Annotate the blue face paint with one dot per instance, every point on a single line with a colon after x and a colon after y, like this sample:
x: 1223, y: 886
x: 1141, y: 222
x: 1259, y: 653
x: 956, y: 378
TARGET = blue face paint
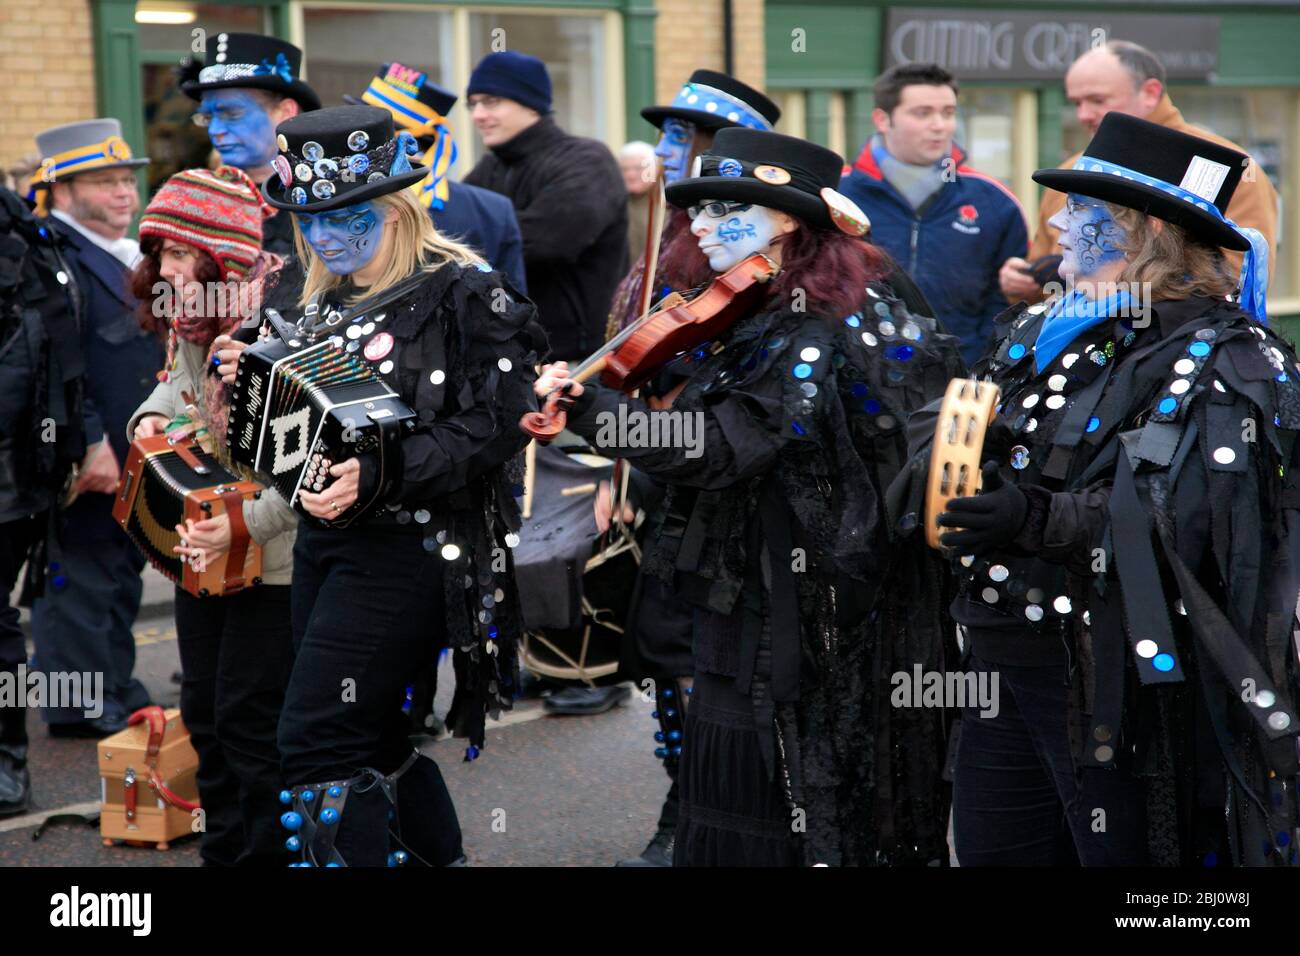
x: 729, y: 240
x: 674, y: 149
x: 239, y: 127
x: 1090, y: 238
x: 345, y: 239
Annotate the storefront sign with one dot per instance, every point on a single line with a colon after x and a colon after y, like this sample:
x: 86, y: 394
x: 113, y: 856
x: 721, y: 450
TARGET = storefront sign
x: 1041, y: 45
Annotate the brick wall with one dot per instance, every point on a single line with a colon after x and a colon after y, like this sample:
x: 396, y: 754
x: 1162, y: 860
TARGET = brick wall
x: 47, y: 68
x: 688, y: 36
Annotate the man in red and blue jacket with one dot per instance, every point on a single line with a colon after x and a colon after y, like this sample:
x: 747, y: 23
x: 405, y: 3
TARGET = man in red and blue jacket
x: 949, y: 227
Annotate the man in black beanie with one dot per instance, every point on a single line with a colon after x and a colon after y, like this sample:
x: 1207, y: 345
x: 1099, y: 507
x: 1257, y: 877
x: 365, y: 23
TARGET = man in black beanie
x: 567, y: 192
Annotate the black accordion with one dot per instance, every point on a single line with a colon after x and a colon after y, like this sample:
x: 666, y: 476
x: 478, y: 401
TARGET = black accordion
x: 295, y: 411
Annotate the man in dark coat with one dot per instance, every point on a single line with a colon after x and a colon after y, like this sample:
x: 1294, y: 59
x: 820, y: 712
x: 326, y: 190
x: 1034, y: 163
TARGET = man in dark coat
x: 478, y: 217
x: 568, y: 195
x: 83, y: 622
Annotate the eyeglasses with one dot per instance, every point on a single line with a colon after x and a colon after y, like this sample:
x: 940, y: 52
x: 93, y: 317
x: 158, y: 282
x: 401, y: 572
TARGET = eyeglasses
x: 1072, y: 204
x: 226, y: 115
x: 717, y: 209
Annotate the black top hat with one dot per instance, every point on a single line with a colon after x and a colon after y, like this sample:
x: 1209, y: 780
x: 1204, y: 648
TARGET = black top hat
x: 409, y: 95
x: 337, y: 157
x: 776, y: 171
x: 250, y: 60
x: 1155, y: 162
x: 715, y: 100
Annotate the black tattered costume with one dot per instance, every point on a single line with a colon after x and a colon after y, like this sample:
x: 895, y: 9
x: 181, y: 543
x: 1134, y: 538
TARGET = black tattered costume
x: 775, y: 534
x: 1156, y: 571
x: 426, y: 567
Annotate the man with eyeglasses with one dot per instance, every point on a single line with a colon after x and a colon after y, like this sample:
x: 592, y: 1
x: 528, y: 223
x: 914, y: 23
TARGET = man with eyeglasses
x: 247, y: 85
x: 82, y: 623
x: 568, y: 196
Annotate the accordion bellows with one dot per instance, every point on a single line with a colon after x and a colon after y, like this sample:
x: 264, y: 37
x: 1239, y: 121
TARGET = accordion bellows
x: 296, y: 412
x: 168, y: 480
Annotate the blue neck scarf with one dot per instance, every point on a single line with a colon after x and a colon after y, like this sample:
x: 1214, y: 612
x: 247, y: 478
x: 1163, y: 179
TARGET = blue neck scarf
x: 1069, y: 316
x: 1254, y: 267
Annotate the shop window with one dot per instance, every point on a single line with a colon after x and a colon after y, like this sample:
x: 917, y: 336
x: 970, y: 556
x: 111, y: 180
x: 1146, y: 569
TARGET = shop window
x: 985, y: 131
x: 338, y: 64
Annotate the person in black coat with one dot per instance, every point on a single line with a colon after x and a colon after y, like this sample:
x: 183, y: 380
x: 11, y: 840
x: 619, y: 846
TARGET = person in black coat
x: 803, y: 603
x: 391, y: 566
x: 568, y: 195
x: 1130, y: 569
x: 480, y: 218
x: 83, y: 622
x: 41, y: 380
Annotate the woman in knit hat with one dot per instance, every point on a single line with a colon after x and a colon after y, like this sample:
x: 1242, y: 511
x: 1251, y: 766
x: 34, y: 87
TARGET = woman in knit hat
x: 201, y: 277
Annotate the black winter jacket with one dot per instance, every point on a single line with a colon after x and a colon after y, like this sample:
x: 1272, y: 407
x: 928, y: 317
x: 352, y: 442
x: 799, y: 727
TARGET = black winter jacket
x: 572, y: 206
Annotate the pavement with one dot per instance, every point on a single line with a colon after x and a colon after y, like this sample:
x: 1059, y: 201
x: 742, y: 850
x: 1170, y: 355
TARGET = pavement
x: 546, y: 791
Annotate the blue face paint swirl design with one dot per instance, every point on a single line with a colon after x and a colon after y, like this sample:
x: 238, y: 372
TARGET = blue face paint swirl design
x: 674, y: 149
x: 239, y: 127
x: 1090, y: 238
x: 345, y: 239
x: 733, y: 230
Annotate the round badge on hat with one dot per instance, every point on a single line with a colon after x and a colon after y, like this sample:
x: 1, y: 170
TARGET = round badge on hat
x: 772, y: 175
x: 846, y: 215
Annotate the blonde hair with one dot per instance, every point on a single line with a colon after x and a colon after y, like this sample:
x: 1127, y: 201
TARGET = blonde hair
x: 1167, y: 262
x: 415, y: 244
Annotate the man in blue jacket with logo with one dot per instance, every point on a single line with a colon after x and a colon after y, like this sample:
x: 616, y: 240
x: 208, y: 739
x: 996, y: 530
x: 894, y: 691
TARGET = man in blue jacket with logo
x: 948, y: 226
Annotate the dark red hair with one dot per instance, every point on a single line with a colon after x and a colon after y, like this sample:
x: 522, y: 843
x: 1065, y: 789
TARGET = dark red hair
x: 831, y: 267
x: 148, y: 273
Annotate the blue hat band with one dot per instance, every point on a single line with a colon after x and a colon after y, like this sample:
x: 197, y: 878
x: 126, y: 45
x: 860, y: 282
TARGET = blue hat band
x: 1254, y: 267
x: 709, y: 99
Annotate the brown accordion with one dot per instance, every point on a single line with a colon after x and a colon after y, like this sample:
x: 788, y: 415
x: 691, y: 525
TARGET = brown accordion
x: 168, y: 480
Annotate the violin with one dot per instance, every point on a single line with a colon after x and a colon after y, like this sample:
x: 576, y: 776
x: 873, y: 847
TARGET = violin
x: 675, y: 325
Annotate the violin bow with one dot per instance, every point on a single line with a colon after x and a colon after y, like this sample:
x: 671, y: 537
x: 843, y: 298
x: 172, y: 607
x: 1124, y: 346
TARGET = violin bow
x: 649, y: 267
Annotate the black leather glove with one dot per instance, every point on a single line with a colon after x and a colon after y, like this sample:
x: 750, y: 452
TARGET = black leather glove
x: 990, y: 520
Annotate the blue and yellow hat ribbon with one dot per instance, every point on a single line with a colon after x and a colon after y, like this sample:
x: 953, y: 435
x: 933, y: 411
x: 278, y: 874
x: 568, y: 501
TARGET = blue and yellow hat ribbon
x: 420, y: 120
x: 111, y: 152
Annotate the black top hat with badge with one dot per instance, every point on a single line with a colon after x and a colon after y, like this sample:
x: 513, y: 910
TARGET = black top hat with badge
x: 713, y: 100
x: 337, y: 157
x: 1162, y: 172
x: 776, y: 171
x: 249, y: 61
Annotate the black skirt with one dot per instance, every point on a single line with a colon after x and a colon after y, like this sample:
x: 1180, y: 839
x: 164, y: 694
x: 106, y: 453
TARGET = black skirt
x: 731, y: 813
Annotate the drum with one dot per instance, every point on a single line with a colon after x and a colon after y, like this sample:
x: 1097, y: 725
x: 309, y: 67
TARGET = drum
x: 575, y: 584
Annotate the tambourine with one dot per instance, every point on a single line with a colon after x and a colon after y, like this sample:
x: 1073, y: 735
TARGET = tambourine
x: 955, y: 458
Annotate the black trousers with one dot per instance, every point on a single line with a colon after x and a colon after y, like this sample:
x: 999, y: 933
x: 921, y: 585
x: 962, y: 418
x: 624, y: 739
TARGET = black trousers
x: 83, y: 621
x: 1018, y: 799
x: 368, y: 619
x: 236, y: 653
x: 15, y: 538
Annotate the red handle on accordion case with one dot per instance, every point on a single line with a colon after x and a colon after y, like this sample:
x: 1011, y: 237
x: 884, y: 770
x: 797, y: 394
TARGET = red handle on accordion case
x: 239, y: 537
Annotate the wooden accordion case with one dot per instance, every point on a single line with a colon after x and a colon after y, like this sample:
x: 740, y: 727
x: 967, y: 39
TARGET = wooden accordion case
x: 167, y: 480
x: 294, y: 412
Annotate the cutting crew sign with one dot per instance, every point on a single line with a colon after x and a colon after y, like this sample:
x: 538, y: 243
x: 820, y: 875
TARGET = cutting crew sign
x: 1033, y: 45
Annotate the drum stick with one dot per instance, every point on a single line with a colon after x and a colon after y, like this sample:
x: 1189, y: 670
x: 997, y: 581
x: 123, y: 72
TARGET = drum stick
x: 530, y: 468
x: 578, y: 489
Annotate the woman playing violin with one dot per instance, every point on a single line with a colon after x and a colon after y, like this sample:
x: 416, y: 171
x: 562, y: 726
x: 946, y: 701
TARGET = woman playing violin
x: 776, y: 531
